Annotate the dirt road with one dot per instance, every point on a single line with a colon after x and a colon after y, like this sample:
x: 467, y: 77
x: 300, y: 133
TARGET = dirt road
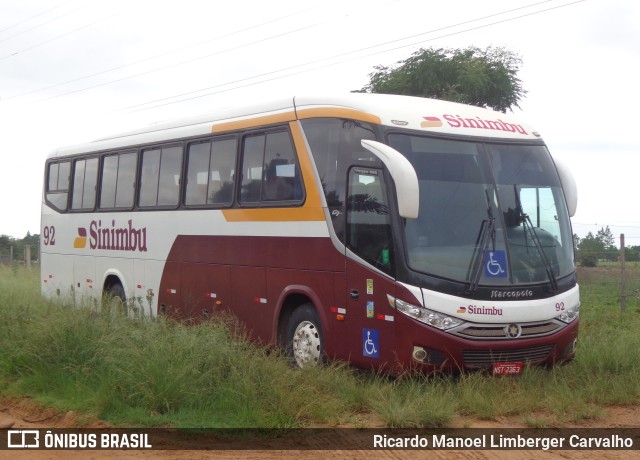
x: 25, y: 414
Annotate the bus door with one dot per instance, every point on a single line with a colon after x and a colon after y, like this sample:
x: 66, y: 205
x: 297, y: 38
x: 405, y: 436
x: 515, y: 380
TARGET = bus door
x: 369, y: 267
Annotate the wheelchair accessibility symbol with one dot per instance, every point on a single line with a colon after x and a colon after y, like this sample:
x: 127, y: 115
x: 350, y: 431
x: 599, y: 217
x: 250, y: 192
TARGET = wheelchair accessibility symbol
x: 371, y: 343
x: 495, y: 264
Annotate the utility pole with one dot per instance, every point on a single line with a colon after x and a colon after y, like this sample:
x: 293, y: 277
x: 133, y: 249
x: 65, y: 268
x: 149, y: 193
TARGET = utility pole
x: 27, y: 255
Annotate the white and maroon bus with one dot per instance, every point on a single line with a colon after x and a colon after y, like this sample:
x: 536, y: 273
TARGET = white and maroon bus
x: 389, y: 231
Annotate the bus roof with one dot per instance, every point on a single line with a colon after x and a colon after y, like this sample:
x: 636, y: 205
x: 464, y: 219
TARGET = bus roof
x: 429, y: 115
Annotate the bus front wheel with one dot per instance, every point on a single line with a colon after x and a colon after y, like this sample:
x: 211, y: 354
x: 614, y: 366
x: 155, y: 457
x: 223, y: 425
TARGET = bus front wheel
x: 304, y: 337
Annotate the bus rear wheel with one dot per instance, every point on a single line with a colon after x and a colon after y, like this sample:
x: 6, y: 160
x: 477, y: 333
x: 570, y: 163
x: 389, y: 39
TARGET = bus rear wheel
x: 304, y: 337
x: 115, y: 300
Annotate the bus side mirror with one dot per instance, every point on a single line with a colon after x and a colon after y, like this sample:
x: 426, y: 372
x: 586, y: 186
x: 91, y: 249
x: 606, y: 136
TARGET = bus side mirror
x: 568, y: 186
x: 403, y: 174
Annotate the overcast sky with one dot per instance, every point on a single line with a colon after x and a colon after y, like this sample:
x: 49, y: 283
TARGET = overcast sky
x: 74, y: 70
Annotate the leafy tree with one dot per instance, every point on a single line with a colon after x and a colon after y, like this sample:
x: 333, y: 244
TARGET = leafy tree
x: 6, y: 242
x: 611, y: 252
x: 605, y: 235
x: 485, y: 78
x: 33, y: 240
x: 589, y: 250
x: 592, y: 248
x: 632, y: 253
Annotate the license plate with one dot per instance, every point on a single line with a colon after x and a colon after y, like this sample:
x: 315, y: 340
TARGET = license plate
x: 507, y: 368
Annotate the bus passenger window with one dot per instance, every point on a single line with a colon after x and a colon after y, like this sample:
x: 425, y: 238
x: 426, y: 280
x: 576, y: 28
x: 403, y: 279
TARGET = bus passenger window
x: 160, y: 177
x: 210, y: 171
x: 118, y: 176
x: 282, y: 182
x: 198, y: 158
x: 252, y: 159
x: 84, y: 184
x: 58, y: 184
x: 222, y: 170
x: 270, y: 169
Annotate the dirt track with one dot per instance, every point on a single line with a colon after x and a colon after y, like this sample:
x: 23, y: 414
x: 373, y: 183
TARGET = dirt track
x: 25, y: 414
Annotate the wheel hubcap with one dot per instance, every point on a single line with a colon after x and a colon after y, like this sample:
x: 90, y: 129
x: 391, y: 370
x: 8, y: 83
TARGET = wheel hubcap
x: 306, y: 344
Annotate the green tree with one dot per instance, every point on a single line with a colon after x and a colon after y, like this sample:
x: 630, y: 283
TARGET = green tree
x: 485, y: 78
x: 632, y: 253
x: 576, y: 241
x: 34, y: 242
x: 590, y: 250
x: 6, y: 242
x: 605, y: 235
x: 611, y: 252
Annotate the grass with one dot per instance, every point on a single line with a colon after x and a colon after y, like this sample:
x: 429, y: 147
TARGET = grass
x: 155, y: 372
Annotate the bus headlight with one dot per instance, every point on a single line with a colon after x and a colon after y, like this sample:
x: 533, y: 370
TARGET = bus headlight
x: 424, y: 315
x: 569, y: 314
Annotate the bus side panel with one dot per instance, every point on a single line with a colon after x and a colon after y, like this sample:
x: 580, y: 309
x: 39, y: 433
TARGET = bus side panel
x: 247, y: 274
x: 169, y: 291
x: 139, y: 287
x: 84, y: 279
x: 337, y: 318
x: 249, y: 301
x: 206, y: 288
x: 56, y: 271
x: 370, y: 337
x: 153, y: 272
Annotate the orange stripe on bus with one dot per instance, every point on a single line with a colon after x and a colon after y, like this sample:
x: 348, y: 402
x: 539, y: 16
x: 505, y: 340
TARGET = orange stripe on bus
x: 253, y: 122
x: 337, y: 112
x: 298, y: 214
x: 318, y: 112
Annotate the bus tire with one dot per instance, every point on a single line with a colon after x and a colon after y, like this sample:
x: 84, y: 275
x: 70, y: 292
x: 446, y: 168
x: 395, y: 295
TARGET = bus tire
x: 304, y: 339
x: 115, y: 300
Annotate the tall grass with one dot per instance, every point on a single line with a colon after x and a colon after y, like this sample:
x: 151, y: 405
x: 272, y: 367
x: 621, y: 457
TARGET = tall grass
x: 156, y: 372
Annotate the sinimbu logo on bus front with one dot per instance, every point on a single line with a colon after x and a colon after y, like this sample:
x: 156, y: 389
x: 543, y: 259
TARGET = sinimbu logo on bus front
x: 475, y: 310
x: 112, y: 238
x: 456, y: 121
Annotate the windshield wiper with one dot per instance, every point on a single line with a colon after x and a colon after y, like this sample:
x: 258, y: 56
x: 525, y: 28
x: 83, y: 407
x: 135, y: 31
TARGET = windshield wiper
x: 487, y: 231
x: 528, y: 227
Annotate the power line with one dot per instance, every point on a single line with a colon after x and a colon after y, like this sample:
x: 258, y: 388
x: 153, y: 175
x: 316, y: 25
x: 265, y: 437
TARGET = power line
x: 156, y: 56
x: 292, y: 67
x: 186, y: 61
x: 343, y: 55
x: 332, y: 57
x: 173, y: 65
x: 34, y: 16
x: 57, y: 37
x: 46, y: 22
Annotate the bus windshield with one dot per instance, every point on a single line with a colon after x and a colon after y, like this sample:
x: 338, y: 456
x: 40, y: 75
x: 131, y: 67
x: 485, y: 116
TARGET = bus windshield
x: 490, y: 213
